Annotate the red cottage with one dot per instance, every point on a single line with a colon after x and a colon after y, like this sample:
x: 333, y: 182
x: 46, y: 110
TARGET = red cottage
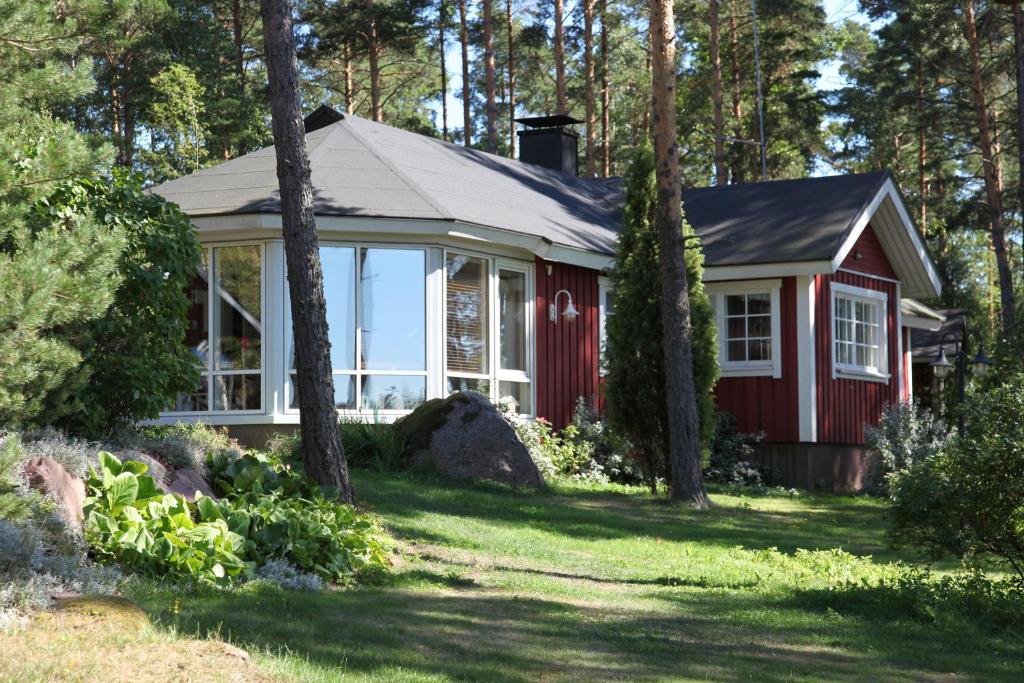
x: 450, y: 269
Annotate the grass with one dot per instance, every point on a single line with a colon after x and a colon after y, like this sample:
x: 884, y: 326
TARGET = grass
x: 588, y: 584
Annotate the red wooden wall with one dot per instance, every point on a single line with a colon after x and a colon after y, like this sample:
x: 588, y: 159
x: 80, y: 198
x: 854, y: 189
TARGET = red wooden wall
x: 846, y: 405
x: 568, y: 353
x: 867, y: 256
x: 767, y: 404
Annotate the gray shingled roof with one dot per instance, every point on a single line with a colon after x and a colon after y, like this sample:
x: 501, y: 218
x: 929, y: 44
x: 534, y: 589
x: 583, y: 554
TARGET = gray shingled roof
x: 781, y: 220
x: 363, y: 168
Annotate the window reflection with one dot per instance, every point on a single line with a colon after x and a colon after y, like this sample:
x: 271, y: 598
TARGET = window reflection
x: 392, y: 309
x: 339, y: 266
x: 512, y: 317
x: 393, y: 392
x: 237, y: 306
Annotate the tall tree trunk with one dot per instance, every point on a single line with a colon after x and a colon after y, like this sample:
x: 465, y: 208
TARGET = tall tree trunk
x: 684, y: 431
x: 721, y: 176
x: 467, y: 122
x: 373, y: 47
x: 441, y: 18
x: 350, y: 91
x: 1018, y: 53
x: 588, y: 85
x: 321, y: 442
x: 561, y: 100
x: 511, y: 81
x: 922, y: 151
x: 737, y: 101
x: 606, y: 157
x: 236, y: 35
x: 992, y: 173
x: 491, y: 105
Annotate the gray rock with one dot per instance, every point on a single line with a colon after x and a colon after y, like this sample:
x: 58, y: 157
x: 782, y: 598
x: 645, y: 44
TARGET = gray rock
x: 156, y: 469
x: 186, y: 482
x: 464, y: 437
x: 49, y: 477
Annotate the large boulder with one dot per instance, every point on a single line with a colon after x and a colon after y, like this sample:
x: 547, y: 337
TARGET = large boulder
x: 49, y: 477
x: 464, y: 437
x: 155, y: 468
x: 185, y: 483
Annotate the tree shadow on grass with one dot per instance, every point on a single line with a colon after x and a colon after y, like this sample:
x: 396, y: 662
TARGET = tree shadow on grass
x: 479, y: 634
x: 404, y: 500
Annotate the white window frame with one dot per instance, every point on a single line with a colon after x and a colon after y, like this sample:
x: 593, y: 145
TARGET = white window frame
x: 496, y: 374
x: 207, y: 371
x: 874, y: 298
x: 357, y: 372
x: 717, y: 291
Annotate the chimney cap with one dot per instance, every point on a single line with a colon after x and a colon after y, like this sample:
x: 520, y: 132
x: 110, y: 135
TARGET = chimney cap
x: 551, y: 121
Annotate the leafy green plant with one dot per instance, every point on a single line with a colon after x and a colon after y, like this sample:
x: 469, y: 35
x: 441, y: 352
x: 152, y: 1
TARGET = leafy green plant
x: 906, y: 433
x: 128, y: 519
x: 967, y: 500
x: 372, y: 444
x: 731, y: 455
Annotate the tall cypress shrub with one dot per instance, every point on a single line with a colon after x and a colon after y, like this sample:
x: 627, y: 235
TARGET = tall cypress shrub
x: 635, y: 380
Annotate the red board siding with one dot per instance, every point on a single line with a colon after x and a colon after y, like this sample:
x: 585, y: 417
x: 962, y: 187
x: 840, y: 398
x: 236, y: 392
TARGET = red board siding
x: 846, y: 405
x: 766, y: 404
x: 567, y: 352
x: 867, y: 256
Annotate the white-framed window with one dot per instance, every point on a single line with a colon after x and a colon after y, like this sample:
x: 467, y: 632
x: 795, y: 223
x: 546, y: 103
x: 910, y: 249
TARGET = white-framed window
x: 376, y: 319
x: 488, y: 327
x: 606, y: 309
x: 749, y: 327
x: 859, y: 333
x: 226, y: 332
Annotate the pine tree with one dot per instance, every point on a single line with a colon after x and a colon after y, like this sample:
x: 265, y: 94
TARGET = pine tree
x: 635, y: 380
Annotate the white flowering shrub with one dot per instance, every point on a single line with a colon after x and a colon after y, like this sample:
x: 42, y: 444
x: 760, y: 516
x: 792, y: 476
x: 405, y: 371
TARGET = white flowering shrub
x: 288, y: 576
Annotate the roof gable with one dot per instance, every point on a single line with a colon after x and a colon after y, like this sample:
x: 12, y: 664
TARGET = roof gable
x: 868, y: 256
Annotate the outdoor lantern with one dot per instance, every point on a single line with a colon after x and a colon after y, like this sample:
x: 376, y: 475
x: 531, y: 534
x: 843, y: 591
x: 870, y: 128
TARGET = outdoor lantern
x: 570, y: 311
x: 941, y: 365
x: 981, y: 362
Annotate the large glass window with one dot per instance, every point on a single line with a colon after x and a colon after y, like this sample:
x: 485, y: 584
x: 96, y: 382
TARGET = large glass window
x: 487, y: 316
x: 226, y: 330
x: 376, y: 312
x: 859, y: 330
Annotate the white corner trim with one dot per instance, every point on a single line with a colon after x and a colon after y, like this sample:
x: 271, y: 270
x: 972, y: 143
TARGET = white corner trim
x: 807, y: 394
x: 900, y: 358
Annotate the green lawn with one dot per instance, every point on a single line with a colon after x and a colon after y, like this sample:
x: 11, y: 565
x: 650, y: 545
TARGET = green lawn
x: 581, y: 584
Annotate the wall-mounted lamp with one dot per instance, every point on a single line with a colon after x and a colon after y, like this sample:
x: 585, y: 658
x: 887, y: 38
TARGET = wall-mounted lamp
x: 570, y: 311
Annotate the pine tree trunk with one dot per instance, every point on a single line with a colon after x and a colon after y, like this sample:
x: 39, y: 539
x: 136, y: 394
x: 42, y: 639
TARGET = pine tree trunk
x: 491, y: 105
x: 511, y: 81
x: 467, y: 122
x: 687, y: 480
x: 992, y: 173
x: 321, y: 442
x: 737, y: 102
x: 1018, y: 53
x: 922, y: 151
x: 236, y: 35
x: 444, y: 71
x: 349, y: 86
x: 562, y: 102
x: 373, y: 47
x: 721, y: 176
x: 588, y: 86
x: 606, y: 156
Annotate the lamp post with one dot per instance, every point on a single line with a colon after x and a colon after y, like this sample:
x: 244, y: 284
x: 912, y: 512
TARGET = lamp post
x: 941, y: 367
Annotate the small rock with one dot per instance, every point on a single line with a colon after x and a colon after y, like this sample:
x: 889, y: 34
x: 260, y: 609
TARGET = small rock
x: 156, y: 469
x: 186, y: 482
x: 49, y: 477
x: 465, y: 437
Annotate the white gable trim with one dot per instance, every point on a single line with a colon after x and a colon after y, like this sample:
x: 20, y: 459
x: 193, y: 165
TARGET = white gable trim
x: 899, y: 237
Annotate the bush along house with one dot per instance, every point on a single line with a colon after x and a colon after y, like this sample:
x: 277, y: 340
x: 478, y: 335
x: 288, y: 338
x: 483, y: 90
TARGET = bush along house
x: 449, y: 269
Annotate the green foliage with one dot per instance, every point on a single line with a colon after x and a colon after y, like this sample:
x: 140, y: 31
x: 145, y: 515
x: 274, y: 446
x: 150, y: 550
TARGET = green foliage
x: 731, y: 452
x: 635, y: 382
x: 177, y: 116
x: 372, y: 444
x: 269, y: 511
x: 134, y: 357
x: 906, y: 433
x: 130, y: 521
x: 183, y: 445
x: 968, y: 499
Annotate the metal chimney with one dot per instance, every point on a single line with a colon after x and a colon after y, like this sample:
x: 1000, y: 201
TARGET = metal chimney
x: 550, y: 141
